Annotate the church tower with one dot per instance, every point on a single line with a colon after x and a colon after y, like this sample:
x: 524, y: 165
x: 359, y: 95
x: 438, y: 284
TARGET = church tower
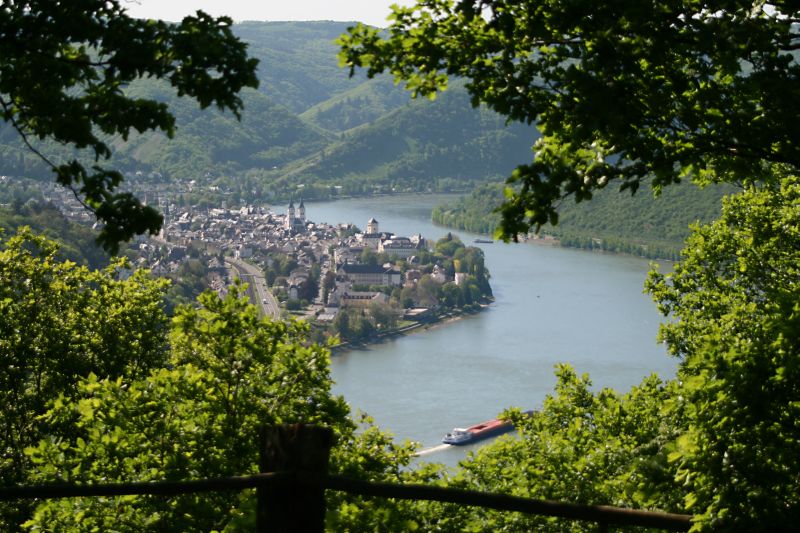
x: 372, y: 226
x: 301, y: 211
x: 290, y: 215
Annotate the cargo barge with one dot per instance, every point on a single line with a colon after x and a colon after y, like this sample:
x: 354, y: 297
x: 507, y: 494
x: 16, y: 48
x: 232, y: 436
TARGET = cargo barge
x: 484, y: 430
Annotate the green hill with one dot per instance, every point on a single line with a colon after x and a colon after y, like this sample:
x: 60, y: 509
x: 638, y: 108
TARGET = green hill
x: 613, y: 221
x: 366, y: 103
x: 442, y: 144
x: 310, y: 124
x: 298, y: 65
x: 209, y: 141
x: 77, y: 241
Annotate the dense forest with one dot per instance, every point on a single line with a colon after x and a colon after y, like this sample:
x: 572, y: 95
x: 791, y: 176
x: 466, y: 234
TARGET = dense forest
x: 76, y: 241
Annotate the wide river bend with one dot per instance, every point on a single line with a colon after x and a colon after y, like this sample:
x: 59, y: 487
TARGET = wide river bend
x: 551, y: 305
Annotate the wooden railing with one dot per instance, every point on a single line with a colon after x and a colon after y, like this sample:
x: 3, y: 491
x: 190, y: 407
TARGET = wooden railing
x: 291, y: 489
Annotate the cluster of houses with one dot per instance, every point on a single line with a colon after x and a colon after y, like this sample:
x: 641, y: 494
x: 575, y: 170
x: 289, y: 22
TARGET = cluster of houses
x: 257, y: 234
x: 352, y: 274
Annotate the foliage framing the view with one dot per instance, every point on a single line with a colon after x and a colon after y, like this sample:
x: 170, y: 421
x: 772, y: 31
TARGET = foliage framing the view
x: 98, y: 384
x: 620, y: 91
x: 60, y: 322
x: 735, y: 325
x: 63, y: 71
x: 721, y: 440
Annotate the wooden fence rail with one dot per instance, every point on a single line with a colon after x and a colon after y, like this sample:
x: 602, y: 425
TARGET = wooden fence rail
x: 292, y: 499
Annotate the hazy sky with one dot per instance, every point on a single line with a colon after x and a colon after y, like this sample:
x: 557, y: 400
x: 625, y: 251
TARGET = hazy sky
x: 372, y: 12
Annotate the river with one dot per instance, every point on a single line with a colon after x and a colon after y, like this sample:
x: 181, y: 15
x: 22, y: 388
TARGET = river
x: 551, y: 305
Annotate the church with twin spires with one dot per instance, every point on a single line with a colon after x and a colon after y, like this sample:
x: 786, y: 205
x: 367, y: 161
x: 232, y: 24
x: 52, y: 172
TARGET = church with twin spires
x: 296, y: 222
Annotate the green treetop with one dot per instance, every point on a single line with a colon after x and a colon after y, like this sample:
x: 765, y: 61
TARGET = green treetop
x: 620, y: 90
x: 60, y: 322
x: 98, y: 385
x: 63, y: 70
x: 735, y: 324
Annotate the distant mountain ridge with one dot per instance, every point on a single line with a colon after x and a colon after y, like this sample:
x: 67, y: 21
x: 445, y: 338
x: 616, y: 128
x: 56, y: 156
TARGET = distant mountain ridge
x: 310, y: 130
x: 310, y: 125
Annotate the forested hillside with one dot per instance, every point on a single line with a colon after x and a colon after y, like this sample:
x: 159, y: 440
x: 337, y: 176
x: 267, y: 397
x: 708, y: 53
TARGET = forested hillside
x: 613, y: 221
x: 298, y: 62
x: 76, y: 241
x: 310, y: 124
x: 208, y: 141
x: 423, y: 145
x: 367, y: 102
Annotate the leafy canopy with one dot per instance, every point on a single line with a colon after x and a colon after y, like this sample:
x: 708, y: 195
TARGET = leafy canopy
x: 620, y: 90
x: 735, y: 325
x: 63, y: 70
x: 60, y: 322
x: 193, y: 413
x: 230, y: 372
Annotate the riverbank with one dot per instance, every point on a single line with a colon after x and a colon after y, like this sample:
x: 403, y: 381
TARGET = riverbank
x: 436, y: 321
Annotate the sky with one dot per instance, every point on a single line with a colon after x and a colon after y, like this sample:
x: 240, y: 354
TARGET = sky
x: 372, y: 12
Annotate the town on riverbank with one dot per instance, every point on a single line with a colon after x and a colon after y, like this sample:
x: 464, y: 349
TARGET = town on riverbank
x: 356, y: 285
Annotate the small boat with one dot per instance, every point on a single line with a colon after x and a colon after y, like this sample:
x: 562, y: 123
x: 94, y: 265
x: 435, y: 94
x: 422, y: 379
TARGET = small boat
x: 484, y: 241
x: 484, y: 430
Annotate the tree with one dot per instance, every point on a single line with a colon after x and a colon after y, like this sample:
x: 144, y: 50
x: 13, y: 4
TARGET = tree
x: 452, y: 296
x: 448, y: 245
x: 341, y: 325
x: 621, y: 91
x: 471, y: 261
x: 63, y: 71
x: 328, y: 284
x: 231, y: 371
x: 735, y: 324
x: 58, y: 323
x: 362, y: 327
x: 383, y: 315
x: 368, y: 257
x: 427, y: 292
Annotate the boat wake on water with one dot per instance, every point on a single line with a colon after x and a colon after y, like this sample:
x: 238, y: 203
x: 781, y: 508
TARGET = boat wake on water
x: 461, y: 436
x: 434, y: 449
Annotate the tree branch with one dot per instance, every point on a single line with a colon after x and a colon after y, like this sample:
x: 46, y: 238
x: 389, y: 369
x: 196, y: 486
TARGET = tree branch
x: 10, y: 118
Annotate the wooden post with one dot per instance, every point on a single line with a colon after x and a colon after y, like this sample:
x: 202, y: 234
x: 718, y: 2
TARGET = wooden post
x: 291, y: 506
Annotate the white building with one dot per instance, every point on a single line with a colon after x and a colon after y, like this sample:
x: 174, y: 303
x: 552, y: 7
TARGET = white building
x: 402, y: 247
x: 373, y: 236
x: 361, y: 299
